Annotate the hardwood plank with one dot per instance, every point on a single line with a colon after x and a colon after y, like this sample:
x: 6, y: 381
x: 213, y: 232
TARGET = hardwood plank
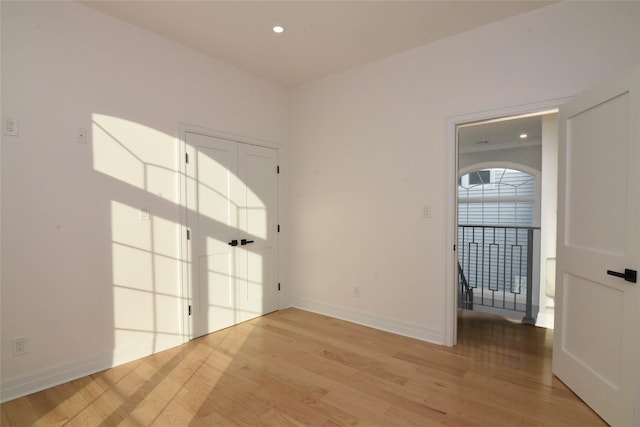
x: 295, y: 368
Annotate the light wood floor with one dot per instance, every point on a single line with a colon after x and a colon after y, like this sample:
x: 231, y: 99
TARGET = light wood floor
x: 294, y: 368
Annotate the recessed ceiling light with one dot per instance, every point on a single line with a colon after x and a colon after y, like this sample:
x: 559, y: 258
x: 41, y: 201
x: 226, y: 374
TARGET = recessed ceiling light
x: 278, y: 29
x: 523, y: 136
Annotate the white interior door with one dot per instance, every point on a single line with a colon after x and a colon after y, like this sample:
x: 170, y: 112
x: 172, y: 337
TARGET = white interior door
x: 212, y: 218
x: 597, y: 320
x: 258, y: 199
x: 232, y: 205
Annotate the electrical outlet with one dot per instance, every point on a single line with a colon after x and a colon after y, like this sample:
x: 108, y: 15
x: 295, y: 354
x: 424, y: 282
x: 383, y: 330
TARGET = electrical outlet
x: 82, y: 136
x: 11, y: 127
x: 19, y: 346
x: 356, y: 291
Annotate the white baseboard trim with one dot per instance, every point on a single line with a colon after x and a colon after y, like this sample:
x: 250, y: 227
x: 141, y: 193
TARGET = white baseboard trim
x: 407, y: 329
x: 51, y: 376
x: 22, y: 385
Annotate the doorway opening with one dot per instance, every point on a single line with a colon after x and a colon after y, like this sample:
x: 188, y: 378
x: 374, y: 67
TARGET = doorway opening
x: 506, y: 216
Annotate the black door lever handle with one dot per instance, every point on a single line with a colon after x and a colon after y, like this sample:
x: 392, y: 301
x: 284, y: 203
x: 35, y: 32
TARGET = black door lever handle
x: 245, y: 241
x: 628, y: 275
x: 233, y: 243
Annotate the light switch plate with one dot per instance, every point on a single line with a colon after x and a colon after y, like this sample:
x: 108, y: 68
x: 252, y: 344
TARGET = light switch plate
x: 11, y: 127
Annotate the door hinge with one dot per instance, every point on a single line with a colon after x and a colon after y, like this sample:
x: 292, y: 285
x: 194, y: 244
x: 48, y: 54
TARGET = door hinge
x: 454, y: 248
x: 278, y: 169
x: 278, y: 228
x: 189, y: 310
x: 188, y: 234
x: 278, y: 286
x: 186, y: 157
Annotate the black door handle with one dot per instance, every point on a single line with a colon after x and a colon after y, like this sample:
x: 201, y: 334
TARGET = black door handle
x: 245, y: 241
x: 233, y: 243
x: 628, y: 275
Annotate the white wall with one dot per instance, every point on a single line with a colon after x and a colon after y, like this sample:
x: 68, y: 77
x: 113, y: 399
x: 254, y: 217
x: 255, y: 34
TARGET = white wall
x: 83, y: 278
x: 368, y: 150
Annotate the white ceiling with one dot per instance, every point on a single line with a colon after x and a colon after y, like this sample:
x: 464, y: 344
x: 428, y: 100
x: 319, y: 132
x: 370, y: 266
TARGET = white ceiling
x: 501, y: 133
x: 321, y: 37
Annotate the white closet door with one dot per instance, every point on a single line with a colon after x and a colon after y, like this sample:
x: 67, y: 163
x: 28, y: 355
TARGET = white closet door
x: 232, y: 201
x: 258, y: 207
x: 212, y: 218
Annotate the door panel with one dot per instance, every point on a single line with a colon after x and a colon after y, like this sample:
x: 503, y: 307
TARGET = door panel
x: 593, y: 165
x: 597, y: 324
x: 212, y: 217
x: 581, y: 326
x: 258, y: 293
x: 218, y: 302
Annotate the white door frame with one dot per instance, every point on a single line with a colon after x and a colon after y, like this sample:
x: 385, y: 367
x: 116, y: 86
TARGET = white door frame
x: 451, y: 198
x: 185, y: 262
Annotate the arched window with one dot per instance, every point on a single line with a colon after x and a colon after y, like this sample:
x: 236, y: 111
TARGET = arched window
x: 496, y: 196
